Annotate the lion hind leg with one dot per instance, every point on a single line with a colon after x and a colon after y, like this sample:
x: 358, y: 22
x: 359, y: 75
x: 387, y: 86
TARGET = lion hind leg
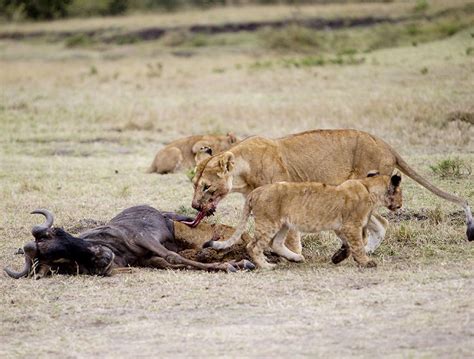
x: 256, y: 247
x: 278, y: 246
x: 167, y: 160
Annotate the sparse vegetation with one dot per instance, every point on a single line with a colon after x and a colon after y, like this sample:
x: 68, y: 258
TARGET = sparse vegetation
x: 80, y: 124
x: 421, y: 6
x: 452, y: 168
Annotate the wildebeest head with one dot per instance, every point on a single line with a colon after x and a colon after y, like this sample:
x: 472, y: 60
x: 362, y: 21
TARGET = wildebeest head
x: 55, y: 249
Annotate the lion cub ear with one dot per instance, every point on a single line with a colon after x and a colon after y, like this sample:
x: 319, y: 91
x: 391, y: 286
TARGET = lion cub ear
x: 226, y: 163
x: 396, y: 179
x: 373, y: 173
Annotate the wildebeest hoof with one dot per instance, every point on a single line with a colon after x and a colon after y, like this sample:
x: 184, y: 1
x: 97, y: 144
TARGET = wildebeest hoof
x: 208, y: 244
x: 248, y: 265
x: 230, y: 268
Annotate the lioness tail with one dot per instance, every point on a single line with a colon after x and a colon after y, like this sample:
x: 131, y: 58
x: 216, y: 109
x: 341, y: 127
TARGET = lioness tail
x: 410, y: 172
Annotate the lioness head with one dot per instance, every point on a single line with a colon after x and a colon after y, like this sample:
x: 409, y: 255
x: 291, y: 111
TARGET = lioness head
x: 389, y: 190
x: 212, y: 182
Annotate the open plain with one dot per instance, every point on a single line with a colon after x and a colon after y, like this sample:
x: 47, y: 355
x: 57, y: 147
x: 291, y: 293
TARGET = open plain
x: 82, y: 116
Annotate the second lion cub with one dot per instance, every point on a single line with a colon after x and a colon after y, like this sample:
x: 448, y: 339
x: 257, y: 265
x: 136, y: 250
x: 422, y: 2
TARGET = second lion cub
x: 313, y: 207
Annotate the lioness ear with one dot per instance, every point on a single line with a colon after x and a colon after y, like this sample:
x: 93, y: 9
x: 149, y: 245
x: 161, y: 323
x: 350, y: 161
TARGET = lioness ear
x: 199, y: 145
x: 373, y: 173
x: 206, y: 149
x: 226, y: 163
x: 232, y: 138
x: 396, y: 179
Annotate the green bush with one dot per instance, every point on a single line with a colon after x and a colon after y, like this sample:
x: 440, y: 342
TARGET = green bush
x: 35, y: 9
x: 452, y: 168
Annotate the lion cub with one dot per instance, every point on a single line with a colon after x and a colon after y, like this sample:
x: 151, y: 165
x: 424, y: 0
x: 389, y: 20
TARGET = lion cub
x: 313, y: 207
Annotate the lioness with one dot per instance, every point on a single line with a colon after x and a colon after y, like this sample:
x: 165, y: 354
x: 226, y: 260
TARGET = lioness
x: 327, y: 156
x: 187, y: 152
x: 313, y: 207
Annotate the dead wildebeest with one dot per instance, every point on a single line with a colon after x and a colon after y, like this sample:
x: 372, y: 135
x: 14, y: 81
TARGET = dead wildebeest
x: 138, y: 236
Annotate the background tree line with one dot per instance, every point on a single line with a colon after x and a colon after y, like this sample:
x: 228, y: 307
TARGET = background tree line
x: 54, y: 9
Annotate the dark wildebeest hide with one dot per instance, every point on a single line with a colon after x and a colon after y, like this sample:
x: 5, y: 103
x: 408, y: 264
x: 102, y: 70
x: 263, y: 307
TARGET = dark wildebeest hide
x: 139, y: 236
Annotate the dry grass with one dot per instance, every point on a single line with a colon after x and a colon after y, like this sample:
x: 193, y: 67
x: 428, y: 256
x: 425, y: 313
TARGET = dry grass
x: 78, y: 128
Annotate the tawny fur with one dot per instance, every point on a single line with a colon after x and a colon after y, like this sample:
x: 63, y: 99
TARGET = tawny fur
x: 326, y: 156
x: 193, y: 239
x: 185, y: 153
x: 313, y: 207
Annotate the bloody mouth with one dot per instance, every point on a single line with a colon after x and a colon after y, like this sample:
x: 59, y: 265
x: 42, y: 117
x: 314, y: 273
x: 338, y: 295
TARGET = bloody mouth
x: 200, y: 216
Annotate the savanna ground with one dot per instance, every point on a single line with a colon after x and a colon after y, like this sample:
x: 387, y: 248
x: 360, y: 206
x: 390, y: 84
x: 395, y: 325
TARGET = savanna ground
x: 81, y: 119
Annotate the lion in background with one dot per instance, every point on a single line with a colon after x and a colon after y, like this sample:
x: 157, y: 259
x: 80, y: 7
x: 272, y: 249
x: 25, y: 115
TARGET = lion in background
x: 312, y: 207
x: 187, y: 152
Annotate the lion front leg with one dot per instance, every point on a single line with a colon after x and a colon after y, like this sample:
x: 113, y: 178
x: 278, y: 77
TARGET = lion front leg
x: 293, y: 241
x: 354, y: 239
x: 257, y: 245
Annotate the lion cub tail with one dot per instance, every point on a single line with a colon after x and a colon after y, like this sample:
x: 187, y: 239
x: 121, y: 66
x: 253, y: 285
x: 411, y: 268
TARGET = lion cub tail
x: 237, y: 236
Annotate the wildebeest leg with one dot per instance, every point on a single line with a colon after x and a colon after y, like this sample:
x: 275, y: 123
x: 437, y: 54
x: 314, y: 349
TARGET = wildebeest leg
x: 158, y: 262
x: 174, y: 258
x: 243, y: 264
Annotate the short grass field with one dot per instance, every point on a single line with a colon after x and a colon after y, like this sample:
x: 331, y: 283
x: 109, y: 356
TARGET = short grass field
x: 86, y: 104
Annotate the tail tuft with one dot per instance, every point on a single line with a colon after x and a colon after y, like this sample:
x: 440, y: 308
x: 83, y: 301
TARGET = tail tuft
x: 470, y: 232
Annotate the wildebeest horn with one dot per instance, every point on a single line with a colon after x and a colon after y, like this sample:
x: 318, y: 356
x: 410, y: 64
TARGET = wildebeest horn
x: 23, y: 273
x: 46, y: 225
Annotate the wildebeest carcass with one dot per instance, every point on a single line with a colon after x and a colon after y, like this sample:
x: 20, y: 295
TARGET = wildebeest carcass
x: 138, y: 236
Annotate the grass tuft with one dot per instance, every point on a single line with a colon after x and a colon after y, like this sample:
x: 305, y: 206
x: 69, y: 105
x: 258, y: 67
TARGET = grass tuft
x: 452, y: 168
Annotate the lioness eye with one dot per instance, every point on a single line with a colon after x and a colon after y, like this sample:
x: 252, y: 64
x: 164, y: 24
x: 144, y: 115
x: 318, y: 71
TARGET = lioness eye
x: 205, y: 187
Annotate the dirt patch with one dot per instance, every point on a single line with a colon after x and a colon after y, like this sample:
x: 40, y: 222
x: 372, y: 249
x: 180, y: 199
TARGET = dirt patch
x: 425, y: 214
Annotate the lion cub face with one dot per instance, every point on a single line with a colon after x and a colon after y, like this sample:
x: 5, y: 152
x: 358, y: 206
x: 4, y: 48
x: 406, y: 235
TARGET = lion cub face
x: 386, y: 189
x: 212, y: 182
x: 393, y: 198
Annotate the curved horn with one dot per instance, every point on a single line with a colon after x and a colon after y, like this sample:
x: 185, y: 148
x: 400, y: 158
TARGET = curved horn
x: 46, y: 225
x: 23, y: 273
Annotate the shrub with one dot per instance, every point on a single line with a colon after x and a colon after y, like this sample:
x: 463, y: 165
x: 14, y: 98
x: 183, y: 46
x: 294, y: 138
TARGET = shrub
x: 452, y: 168
x: 35, y: 9
x: 292, y: 37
